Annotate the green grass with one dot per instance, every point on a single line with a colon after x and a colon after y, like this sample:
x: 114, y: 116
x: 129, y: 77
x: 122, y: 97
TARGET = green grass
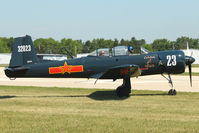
x: 37, y: 109
x: 187, y: 74
x: 195, y: 65
x: 2, y: 65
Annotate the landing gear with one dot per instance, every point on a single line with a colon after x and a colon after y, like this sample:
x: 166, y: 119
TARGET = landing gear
x: 125, y: 88
x: 172, y: 91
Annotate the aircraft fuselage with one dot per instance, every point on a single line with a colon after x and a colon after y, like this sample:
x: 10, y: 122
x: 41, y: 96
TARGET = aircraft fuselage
x: 152, y: 63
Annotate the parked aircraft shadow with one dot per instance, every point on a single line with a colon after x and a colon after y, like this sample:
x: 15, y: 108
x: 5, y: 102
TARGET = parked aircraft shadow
x: 105, y: 95
x: 97, y: 95
x: 5, y: 97
x: 111, y: 95
x: 159, y: 94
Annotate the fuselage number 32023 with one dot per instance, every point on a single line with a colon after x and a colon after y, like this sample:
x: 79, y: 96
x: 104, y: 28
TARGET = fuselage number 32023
x: 171, y: 60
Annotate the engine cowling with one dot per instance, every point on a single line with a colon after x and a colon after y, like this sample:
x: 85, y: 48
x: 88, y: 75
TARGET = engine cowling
x: 172, y: 62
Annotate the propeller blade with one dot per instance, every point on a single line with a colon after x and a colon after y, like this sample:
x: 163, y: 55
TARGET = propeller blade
x: 190, y: 74
x: 191, y: 53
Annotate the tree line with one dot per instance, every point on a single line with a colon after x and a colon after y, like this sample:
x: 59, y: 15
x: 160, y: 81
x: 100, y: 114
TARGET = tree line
x: 52, y: 46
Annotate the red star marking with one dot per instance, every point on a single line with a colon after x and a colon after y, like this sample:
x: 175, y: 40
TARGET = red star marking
x: 66, y: 68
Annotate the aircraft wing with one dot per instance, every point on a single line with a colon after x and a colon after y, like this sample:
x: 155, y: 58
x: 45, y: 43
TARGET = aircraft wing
x: 118, y: 72
x: 98, y: 75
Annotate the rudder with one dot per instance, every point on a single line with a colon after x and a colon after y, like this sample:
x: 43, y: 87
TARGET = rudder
x: 23, y: 52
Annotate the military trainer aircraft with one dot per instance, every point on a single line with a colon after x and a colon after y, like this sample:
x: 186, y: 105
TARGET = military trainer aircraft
x: 99, y: 65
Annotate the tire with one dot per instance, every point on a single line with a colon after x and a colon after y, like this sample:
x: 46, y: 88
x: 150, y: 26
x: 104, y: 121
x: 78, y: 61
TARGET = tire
x: 174, y: 92
x: 122, y: 91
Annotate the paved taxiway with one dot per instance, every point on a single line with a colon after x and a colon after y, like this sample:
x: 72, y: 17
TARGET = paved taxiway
x: 155, y: 82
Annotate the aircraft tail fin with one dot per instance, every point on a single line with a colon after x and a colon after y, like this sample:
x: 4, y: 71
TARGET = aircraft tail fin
x: 23, y: 52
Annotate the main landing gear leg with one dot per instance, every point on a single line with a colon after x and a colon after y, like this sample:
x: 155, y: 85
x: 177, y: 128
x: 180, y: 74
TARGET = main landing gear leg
x: 172, y: 91
x: 125, y: 88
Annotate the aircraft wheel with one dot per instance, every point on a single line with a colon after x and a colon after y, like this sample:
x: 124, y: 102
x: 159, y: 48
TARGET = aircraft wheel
x: 118, y: 90
x: 172, y: 92
x: 122, y: 91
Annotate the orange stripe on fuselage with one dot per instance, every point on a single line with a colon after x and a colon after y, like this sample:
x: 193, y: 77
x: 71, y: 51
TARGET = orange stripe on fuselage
x: 55, y: 70
x: 66, y: 68
x: 77, y: 68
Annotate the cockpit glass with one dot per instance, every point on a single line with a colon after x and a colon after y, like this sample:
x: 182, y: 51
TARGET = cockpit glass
x: 117, y: 51
x: 120, y: 50
x: 100, y: 52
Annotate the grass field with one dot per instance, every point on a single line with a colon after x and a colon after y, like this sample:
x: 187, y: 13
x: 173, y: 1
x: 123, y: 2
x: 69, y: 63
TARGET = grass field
x: 187, y: 74
x: 195, y: 65
x: 3, y: 65
x: 36, y: 109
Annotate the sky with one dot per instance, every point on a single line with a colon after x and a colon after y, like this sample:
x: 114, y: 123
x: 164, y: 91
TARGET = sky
x: 109, y: 19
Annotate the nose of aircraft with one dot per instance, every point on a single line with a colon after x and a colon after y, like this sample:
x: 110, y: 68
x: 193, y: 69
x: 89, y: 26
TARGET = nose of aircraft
x: 189, y: 60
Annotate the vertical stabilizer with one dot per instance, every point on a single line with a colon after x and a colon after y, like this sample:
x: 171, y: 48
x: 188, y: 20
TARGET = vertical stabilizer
x: 23, y: 52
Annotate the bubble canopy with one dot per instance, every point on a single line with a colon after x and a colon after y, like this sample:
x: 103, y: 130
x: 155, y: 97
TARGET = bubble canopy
x: 116, y: 51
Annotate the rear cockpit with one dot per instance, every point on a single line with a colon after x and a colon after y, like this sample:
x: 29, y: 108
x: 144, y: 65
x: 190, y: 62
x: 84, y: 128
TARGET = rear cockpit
x: 100, y: 52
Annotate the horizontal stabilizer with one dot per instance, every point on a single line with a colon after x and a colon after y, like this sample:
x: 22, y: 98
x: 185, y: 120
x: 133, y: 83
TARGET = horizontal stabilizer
x: 10, y: 72
x: 17, y: 69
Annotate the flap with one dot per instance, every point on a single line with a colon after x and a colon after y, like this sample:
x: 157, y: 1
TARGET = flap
x: 117, y: 72
x: 133, y: 70
x: 97, y: 76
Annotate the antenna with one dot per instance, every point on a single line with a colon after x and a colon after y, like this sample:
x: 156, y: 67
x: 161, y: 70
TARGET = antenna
x: 188, y: 52
x: 69, y: 53
x: 173, y: 47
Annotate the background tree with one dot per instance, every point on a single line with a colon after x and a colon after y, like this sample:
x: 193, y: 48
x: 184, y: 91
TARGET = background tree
x: 116, y: 42
x: 181, y: 43
x: 161, y: 45
x: 136, y: 44
x: 148, y: 47
x: 46, y: 46
x: 49, y: 45
x: 73, y: 46
x: 6, y: 44
x: 86, y: 47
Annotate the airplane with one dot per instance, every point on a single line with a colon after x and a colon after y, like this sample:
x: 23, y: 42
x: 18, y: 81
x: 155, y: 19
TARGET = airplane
x: 121, y: 64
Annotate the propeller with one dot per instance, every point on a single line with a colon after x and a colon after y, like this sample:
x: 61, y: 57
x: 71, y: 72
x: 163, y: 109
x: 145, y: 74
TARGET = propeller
x: 189, y: 60
x: 190, y: 75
